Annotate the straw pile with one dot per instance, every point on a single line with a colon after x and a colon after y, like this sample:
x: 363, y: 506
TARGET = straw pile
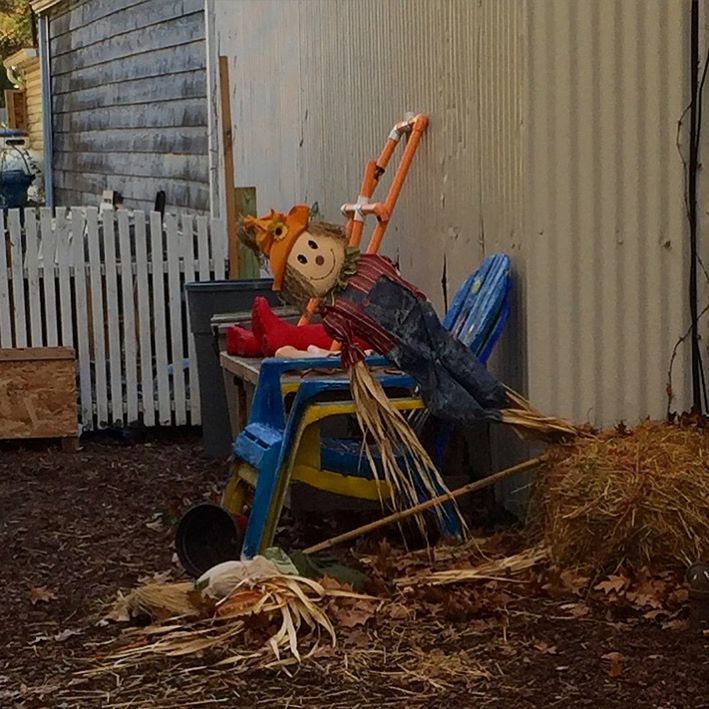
x: 639, y: 498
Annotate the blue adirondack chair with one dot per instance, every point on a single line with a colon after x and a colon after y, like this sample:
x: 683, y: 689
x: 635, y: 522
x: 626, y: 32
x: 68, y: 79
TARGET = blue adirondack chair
x: 279, y: 446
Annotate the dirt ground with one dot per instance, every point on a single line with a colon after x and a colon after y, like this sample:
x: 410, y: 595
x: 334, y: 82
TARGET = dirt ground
x: 78, y: 527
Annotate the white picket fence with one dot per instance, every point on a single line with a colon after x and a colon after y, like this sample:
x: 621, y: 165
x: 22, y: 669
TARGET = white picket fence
x: 110, y: 285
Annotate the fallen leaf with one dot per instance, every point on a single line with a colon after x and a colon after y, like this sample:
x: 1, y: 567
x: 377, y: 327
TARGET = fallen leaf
x: 350, y: 618
x: 615, y: 663
x: 574, y: 581
x: 156, y: 525
x: 677, y: 624
x: 613, y: 584
x: 577, y: 610
x: 398, y: 611
x: 545, y: 648
x: 41, y: 594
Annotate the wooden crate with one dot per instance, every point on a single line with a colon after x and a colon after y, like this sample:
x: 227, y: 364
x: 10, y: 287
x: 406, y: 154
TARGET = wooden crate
x: 38, y: 394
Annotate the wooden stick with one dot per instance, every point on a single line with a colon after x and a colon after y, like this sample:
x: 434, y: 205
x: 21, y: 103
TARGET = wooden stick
x: 440, y: 500
x: 228, y: 154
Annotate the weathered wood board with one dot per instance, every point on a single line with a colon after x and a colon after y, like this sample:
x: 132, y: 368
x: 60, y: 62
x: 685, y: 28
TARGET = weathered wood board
x: 129, y: 102
x: 38, y: 393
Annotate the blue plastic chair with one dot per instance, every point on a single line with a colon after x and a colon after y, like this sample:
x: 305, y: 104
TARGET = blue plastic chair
x: 280, y: 445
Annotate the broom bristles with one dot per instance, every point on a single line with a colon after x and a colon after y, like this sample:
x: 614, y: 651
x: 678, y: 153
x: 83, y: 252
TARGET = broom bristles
x: 385, y: 426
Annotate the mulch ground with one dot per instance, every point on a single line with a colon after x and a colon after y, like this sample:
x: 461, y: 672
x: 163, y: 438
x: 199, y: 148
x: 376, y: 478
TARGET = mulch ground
x: 77, y: 527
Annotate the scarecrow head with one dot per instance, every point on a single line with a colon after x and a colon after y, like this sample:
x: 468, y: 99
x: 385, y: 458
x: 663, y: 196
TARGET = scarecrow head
x: 306, y: 259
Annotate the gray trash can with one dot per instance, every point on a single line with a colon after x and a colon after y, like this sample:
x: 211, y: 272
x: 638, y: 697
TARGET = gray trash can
x: 204, y: 300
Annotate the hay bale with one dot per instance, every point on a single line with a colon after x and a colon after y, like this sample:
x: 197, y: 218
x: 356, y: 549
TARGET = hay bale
x: 639, y: 498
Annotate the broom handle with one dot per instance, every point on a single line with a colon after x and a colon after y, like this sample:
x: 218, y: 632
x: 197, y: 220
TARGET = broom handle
x: 440, y: 500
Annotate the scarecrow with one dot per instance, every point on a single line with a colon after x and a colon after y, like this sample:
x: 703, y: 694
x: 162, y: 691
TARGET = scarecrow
x: 364, y: 305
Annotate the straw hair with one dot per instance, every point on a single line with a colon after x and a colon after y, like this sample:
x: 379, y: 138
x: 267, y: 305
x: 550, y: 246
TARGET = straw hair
x: 385, y: 426
x: 637, y: 498
x: 530, y: 423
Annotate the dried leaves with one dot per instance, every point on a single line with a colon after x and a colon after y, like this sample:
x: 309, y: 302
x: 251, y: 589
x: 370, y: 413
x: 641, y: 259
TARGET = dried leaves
x: 41, y: 594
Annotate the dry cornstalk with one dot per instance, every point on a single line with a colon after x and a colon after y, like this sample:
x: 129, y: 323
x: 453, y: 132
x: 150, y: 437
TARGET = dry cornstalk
x: 497, y: 569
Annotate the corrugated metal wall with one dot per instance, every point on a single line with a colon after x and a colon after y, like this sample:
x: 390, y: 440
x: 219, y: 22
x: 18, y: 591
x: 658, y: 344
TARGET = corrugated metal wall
x: 552, y: 138
x: 606, y: 249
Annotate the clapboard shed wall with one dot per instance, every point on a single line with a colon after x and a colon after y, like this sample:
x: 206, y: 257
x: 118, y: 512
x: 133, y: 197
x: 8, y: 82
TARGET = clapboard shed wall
x: 129, y: 108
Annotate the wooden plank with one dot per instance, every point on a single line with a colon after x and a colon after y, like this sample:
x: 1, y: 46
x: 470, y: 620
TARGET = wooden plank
x: 144, y: 322
x: 159, y: 326
x: 161, y: 62
x: 164, y: 167
x: 178, y: 85
x: 188, y: 112
x: 33, y: 288
x: 97, y: 316
x: 175, y: 316
x: 171, y: 33
x: 179, y: 192
x: 218, y: 238
x: 191, y: 140
x: 5, y: 305
x: 130, y: 349
x: 81, y: 310
x: 113, y: 315
x: 245, y: 199
x: 18, y: 281
x: 190, y: 267
x: 63, y: 236
x: 32, y: 354
x: 48, y: 252
x: 37, y: 398
x: 228, y: 156
x: 122, y: 21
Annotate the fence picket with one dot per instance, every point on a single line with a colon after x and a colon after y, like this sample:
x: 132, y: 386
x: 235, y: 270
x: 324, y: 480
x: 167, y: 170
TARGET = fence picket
x: 113, y: 317
x: 188, y: 253
x: 78, y: 259
x: 144, y: 307
x: 97, y: 317
x: 218, y: 239
x: 130, y: 349
x: 47, y: 251
x: 124, y: 358
x: 63, y: 234
x: 18, y: 282
x: 203, y: 247
x: 5, y: 317
x: 160, y: 330
x: 175, y: 313
x: 31, y: 260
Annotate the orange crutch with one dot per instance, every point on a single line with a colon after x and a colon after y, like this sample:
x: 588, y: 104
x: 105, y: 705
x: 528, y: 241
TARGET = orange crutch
x: 412, y: 126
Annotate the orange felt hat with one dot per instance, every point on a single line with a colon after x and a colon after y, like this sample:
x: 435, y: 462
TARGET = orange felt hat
x: 276, y: 234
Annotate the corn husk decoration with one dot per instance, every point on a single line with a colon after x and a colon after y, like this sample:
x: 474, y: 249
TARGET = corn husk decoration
x: 211, y: 614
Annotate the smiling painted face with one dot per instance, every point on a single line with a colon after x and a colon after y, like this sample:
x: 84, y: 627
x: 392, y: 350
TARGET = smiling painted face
x: 318, y: 259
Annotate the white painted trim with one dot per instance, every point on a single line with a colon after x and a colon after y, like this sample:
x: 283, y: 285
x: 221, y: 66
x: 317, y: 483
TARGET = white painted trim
x: 216, y: 193
x: 40, y: 6
x: 47, y: 118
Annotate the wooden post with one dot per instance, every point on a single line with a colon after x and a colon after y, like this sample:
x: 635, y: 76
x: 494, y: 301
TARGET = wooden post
x: 228, y: 154
x: 245, y: 198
